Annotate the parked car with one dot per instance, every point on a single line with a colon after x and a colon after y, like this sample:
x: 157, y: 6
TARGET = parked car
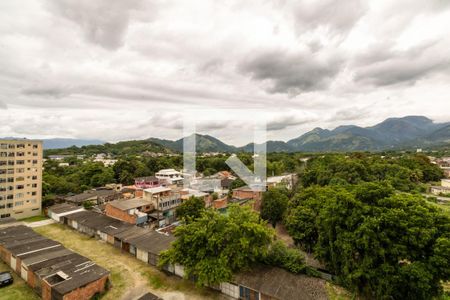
x: 5, y: 279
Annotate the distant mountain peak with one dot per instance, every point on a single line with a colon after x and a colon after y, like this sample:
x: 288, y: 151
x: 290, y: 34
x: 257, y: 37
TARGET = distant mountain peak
x: 409, y: 131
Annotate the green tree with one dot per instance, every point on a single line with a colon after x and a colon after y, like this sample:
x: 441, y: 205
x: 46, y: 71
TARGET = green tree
x: 381, y: 244
x: 214, y: 246
x: 190, y: 209
x: 273, y: 206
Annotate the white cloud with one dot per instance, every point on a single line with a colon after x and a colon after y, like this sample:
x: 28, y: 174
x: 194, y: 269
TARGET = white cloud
x: 118, y: 70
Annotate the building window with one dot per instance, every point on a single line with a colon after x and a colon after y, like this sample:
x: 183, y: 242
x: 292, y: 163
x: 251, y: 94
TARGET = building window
x: 35, y: 146
x: 34, y: 177
x: 3, y: 154
x: 9, y: 205
x: 20, y: 170
x: 10, y: 179
x: 35, y: 161
x: 33, y: 193
x: 34, y: 185
x: 20, y: 153
x: 3, y: 146
x: 20, y: 186
x: 5, y: 216
x: 18, y: 203
x: 2, y: 171
x: 33, y: 201
x: 35, y: 154
x: 19, y: 195
x: 20, y: 178
x: 20, y: 146
x: 20, y: 162
x: 247, y: 294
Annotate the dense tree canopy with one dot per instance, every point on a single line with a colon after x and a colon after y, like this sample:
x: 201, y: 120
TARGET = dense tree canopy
x: 75, y: 178
x: 383, y: 244
x: 190, y: 209
x: 273, y: 205
x: 215, y: 246
x: 404, y: 173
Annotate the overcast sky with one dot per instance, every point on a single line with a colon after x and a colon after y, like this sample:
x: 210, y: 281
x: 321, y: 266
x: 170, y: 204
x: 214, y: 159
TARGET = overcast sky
x: 117, y: 70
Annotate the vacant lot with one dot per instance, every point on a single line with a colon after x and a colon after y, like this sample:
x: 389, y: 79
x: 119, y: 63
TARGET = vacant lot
x: 130, y: 277
x: 19, y: 290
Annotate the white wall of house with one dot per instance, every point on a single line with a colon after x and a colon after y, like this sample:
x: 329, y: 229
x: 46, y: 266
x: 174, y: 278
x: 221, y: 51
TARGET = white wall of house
x: 13, y: 263
x: 24, y: 273
x: 230, y: 289
x: 103, y: 236
x: 179, y: 270
x: 142, y: 255
x: 57, y: 217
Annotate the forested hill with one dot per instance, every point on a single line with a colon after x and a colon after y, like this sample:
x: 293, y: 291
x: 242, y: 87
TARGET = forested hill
x: 138, y: 147
x: 394, y: 133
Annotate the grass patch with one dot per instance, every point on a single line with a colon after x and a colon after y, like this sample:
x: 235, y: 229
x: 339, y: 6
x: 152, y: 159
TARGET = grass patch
x: 19, y: 290
x: 338, y: 293
x: 35, y: 219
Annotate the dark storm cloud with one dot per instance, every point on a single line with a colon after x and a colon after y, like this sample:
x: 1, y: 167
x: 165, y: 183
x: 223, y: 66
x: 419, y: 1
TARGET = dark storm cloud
x: 103, y: 22
x: 52, y: 92
x: 384, y: 66
x: 292, y: 73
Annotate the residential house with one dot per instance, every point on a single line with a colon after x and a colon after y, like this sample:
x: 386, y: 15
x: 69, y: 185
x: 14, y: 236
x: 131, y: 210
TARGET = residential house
x: 444, y: 188
x: 95, y: 197
x: 133, y: 211
x: 171, y: 176
x: 132, y: 191
x: 59, y: 210
x: 146, y: 182
x: 244, y: 194
x: 288, y: 181
x: 165, y: 200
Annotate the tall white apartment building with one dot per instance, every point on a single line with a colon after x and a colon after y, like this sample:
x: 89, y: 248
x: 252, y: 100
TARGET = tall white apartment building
x: 20, y: 178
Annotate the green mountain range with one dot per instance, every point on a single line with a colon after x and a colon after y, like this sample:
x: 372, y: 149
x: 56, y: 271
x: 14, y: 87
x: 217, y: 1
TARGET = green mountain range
x: 394, y: 133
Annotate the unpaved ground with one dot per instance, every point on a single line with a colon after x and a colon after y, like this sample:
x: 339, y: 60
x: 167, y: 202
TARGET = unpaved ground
x: 130, y: 277
x: 40, y: 223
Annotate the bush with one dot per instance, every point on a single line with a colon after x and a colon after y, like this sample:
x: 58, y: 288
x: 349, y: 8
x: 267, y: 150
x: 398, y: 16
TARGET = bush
x: 287, y: 258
